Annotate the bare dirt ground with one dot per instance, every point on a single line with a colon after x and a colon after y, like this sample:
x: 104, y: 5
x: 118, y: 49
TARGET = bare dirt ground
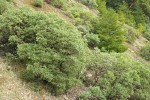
x: 13, y: 88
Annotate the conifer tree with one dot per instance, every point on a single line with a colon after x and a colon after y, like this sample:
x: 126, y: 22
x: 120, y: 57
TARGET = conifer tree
x: 110, y: 33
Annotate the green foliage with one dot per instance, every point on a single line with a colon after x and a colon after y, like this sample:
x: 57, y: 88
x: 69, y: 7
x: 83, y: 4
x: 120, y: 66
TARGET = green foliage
x: 38, y: 3
x: 92, y: 40
x: 27, y: 75
x: 9, y: 0
x: 139, y: 15
x: 4, y: 6
x: 52, y: 49
x: 140, y: 30
x: 83, y: 29
x: 147, y: 32
x: 127, y: 13
x: 130, y: 33
x: 99, y: 64
x: 101, y: 6
x: 136, y: 11
x: 145, y: 6
x: 117, y: 77
x: 58, y: 3
x: 89, y: 3
x: 110, y: 32
x: 145, y: 52
x: 76, y: 11
x: 83, y: 17
x: 93, y: 93
x: 115, y: 4
x: 35, y: 86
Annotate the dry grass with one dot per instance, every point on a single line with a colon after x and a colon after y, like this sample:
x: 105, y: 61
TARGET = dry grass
x: 134, y: 49
x: 46, y: 8
x: 12, y: 88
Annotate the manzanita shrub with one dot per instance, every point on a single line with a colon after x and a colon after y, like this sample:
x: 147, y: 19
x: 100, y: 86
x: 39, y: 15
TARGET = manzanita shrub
x: 117, y: 77
x: 4, y: 6
x: 51, y: 49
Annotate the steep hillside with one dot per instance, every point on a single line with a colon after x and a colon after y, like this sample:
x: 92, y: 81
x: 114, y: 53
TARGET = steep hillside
x: 13, y: 88
x: 81, y: 65
x: 134, y: 49
x: 46, y: 8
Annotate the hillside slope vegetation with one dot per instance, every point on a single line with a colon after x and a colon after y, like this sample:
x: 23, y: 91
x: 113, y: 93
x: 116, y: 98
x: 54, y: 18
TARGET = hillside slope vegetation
x: 74, y: 50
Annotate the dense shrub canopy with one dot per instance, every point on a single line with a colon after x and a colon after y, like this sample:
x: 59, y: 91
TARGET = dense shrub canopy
x: 4, y: 6
x: 137, y: 8
x: 38, y: 3
x: 51, y: 48
x: 61, y: 54
x: 116, y: 76
x: 134, y: 13
x: 110, y: 33
x: 145, y: 52
x: 147, y: 32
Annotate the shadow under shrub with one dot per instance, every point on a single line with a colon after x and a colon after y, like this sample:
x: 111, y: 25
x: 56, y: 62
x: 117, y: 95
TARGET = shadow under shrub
x: 38, y: 3
x: 52, y: 49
